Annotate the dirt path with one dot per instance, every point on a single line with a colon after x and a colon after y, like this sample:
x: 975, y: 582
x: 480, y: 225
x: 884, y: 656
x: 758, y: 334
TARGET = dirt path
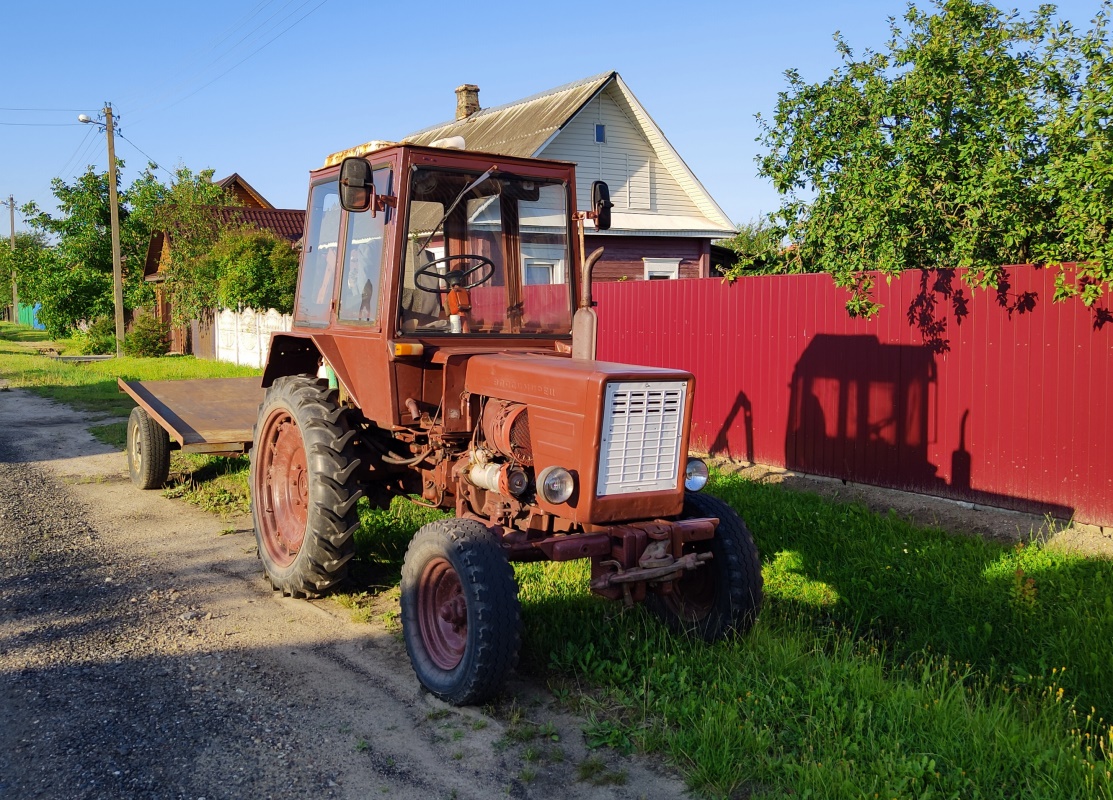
x: 142, y: 655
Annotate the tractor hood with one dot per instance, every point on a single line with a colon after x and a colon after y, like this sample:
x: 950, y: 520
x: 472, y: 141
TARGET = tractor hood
x: 621, y: 430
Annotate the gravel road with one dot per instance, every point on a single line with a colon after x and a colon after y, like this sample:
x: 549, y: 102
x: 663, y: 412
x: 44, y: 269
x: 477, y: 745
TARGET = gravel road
x: 143, y: 656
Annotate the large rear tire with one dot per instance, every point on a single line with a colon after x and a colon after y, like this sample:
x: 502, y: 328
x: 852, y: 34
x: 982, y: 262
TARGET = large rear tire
x: 724, y: 596
x: 304, y: 487
x: 148, y: 451
x: 460, y: 613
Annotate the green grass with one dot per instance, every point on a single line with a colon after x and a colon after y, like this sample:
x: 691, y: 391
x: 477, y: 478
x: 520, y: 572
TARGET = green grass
x: 215, y: 483
x: 889, y: 661
x: 92, y: 386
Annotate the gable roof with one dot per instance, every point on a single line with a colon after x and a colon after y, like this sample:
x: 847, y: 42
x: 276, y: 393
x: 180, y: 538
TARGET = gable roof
x: 526, y: 127
x: 521, y: 128
x: 237, y: 186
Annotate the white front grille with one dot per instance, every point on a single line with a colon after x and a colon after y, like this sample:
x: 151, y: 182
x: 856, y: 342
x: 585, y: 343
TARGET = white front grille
x: 642, y: 426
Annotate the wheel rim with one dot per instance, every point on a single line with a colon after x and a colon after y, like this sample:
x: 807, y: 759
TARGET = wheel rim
x: 693, y: 594
x: 136, y: 446
x: 442, y: 614
x: 282, y: 488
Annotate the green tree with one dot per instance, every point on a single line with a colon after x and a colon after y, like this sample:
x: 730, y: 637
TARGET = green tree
x: 255, y: 269
x: 76, y: 284
x: 962, y: 144
x: 756, y: 247
x: 33, y: 262
x: 1080, y: 170
x: 185, y: 211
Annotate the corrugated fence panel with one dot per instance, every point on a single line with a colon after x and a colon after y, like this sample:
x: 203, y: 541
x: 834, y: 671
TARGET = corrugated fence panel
x: 999, y: 398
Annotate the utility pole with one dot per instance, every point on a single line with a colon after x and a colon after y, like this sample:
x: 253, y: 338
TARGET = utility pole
x: 114, y: 208
x: 15, y: 291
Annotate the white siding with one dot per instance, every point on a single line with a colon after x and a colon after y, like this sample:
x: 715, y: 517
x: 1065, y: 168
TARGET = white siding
x: 627, y: 162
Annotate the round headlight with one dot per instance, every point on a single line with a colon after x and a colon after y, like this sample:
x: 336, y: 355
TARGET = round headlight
x: 555, y: 484
x: 695, y: 475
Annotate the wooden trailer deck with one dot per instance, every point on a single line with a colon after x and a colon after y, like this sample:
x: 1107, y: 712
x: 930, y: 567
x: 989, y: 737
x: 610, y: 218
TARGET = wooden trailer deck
x: 213, y: 415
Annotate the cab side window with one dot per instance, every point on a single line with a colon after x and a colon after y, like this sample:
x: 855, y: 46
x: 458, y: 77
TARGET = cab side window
x: 363, y: 259
x: 318, y: 271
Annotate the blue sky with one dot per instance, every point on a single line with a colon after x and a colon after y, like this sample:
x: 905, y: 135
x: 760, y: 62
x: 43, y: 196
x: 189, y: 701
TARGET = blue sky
x: 321, y: 75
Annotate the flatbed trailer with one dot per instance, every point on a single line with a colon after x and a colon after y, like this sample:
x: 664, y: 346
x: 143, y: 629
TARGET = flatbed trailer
x: 212, y: 415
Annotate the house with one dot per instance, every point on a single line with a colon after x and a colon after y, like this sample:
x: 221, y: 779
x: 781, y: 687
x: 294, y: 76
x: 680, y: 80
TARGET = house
x: 243, y: 192
x: 663, y: 221
x: 255, y: 210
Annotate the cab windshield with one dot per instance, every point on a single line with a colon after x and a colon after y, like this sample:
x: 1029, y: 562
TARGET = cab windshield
x: 486, y: 253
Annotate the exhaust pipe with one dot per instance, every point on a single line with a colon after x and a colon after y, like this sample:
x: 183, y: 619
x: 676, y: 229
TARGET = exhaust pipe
x: 585, y: 324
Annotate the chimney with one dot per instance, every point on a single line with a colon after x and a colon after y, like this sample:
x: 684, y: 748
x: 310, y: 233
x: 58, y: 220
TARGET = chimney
x: 467, y: 100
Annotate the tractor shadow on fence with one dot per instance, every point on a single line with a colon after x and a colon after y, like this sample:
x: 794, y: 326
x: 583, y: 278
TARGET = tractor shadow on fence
x: 721, y: 445
x: 868, y: 412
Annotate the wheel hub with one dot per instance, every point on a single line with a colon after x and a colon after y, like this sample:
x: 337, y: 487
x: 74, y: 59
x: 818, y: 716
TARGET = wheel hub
x: 283, y: 490
x: 442, y: 613
x: 136, y: 446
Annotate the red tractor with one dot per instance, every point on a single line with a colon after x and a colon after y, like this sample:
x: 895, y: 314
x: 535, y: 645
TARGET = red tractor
x: 443, y: 349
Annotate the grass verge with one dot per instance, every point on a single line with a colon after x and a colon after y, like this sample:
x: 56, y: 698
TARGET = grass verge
x: 889, y: 661
x: 91, y: 386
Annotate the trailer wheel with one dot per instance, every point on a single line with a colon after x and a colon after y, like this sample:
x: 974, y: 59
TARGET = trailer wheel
x: 148, y: 451
x: 303, y: 487
x: 460, y: 614
x: 723, y: 596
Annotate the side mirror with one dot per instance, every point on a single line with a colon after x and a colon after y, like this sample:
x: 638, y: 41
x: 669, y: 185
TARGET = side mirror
x: 601, y: 204
x: 357, y: 185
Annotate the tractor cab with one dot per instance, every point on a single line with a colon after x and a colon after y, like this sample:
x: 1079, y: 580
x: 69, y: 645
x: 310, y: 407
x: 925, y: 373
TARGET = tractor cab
x: 428, y: 244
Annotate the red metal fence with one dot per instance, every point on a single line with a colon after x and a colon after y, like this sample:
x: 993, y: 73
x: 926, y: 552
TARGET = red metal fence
x: 1000, y: 398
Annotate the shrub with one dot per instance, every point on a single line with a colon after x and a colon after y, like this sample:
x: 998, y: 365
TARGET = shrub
x: 98, y: 339
x: 148, y: 338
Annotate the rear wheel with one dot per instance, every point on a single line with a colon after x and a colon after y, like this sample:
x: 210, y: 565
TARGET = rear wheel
x: 724, y: 595
x: 148, y: 451
x: 303, y: 487
x: 460, y: 613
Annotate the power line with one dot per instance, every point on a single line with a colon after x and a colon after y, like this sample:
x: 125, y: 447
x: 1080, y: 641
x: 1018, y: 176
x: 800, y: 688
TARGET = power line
x: 40, y: 124
x: 196, y: 54
x: 89, y: 148
x: 200, y: 69
x: 250, y: 55
x: 76, y: 150
x: 60, y: 110
x: 253, y: 52
x: 149, y: 158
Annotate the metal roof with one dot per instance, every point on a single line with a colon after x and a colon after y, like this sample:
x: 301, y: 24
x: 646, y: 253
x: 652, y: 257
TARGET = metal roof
x: 520, y: 128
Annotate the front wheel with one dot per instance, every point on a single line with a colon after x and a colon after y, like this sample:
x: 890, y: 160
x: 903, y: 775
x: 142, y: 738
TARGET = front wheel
x: 460, y: 613
x: 724, y: 595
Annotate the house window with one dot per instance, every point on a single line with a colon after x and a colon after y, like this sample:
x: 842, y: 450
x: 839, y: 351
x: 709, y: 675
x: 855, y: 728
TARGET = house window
x: 538, y: 273
x: 600, y: 133
x: 661, y: 269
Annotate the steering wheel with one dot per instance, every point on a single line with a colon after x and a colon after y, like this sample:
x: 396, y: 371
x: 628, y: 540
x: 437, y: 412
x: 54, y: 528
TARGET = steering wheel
x: 483, y: 265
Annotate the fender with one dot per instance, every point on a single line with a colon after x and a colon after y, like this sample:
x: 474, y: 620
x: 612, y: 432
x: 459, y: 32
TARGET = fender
x: 298, y: 353
x: 290, y: 353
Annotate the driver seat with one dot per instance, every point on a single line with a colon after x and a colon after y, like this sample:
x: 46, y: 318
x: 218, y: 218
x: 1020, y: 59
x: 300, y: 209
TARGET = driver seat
x: 420, y: 309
